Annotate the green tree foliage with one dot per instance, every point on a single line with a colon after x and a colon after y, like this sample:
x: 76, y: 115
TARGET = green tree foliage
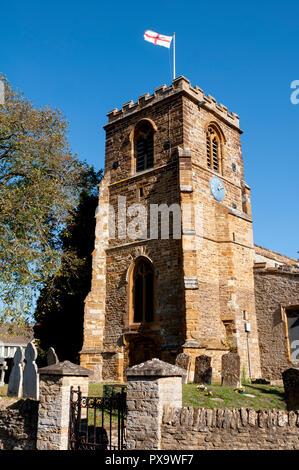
x: 40, y: 181
x: 60, y: 307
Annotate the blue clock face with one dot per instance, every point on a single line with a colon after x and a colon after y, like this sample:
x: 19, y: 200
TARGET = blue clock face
x: 217, y: 188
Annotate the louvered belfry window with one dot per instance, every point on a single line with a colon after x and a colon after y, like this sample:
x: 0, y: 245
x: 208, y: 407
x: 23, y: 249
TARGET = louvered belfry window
x: 213, y: 149
x: 144, y: 146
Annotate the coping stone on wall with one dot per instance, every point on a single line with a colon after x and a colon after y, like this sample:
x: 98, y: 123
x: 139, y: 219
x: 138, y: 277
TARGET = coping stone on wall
x: 155, y: 368
x: 65, y: 368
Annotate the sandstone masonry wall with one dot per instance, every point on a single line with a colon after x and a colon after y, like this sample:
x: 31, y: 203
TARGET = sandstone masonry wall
x: 204, y: 281
x: 273, y: 289
x: 223, y: 429
x: 215, y: 311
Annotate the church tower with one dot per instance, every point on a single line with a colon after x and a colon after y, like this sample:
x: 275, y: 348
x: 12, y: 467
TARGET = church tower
x: 173, y: 258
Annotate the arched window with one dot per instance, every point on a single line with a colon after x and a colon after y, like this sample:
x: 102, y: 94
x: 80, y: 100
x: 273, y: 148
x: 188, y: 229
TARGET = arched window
x: 213, y: 149
x: 144, y: 145
x: 142, y: 301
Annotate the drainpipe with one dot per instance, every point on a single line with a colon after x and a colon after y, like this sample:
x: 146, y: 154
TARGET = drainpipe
x: 247, y: 330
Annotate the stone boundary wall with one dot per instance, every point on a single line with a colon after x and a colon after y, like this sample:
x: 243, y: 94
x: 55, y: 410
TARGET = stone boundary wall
x: 18, y: 425
x: 223, y: 429
x: 42, y: 424
x: 182, y: 428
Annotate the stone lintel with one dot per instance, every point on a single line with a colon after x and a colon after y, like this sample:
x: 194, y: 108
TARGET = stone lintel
x: 190, y: 283
x: 194, y: 344
x: 238, y: 213
x: 184, y: 152
x: 185, y: 188
x: 227, y: 316
x: 190, y: 232
x: 155, y: 368
x: 65, y: 368
x: 91, y: 350
x: 245, y: 185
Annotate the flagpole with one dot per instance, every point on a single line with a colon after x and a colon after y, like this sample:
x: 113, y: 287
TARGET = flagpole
x: 173, y: 55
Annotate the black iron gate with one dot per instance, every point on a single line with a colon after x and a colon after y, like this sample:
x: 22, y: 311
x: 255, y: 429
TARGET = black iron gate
x: 98, y: 423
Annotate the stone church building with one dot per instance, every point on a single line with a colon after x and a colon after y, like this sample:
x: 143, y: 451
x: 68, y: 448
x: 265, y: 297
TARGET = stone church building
x: 187, y: 277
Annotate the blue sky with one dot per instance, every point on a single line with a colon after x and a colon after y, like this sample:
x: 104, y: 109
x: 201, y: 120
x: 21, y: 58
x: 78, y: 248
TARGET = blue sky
x: 86, y: 58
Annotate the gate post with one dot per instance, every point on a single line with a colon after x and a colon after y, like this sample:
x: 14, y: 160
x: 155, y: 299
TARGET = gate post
x: 150, y: 386
x: 54, y: 402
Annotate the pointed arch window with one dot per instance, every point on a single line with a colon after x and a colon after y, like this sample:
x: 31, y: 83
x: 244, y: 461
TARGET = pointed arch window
x: 142, y: 300
x: 213, y: 149
x: 144, y: 146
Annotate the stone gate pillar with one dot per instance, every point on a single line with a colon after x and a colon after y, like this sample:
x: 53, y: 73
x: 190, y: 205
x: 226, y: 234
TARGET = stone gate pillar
x: 54, y: 402
x: 150, y: 386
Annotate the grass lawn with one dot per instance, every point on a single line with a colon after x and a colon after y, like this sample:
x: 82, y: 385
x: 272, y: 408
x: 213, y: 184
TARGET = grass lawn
x: 265, y: 396
x: 95, y: 390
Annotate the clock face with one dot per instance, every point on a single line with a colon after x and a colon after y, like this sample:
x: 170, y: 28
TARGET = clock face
x: 217, y: 188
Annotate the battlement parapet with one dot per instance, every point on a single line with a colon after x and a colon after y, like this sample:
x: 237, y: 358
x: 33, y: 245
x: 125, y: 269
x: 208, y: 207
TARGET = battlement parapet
x: 179, y: 85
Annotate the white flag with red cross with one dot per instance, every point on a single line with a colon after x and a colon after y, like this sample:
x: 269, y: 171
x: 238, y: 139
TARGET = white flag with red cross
x: 158, y: 39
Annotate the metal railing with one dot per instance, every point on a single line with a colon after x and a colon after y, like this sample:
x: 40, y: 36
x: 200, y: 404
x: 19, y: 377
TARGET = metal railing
x: 97, y: 423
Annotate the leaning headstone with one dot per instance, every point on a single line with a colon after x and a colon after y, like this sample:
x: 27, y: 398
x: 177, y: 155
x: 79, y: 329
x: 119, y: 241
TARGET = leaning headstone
x: 16, y: 376
x: 291, y: 388
x: 52, y: 357
x: 231, y: 370
x: 31, y: 376
x: 3, y: 368
x: 183, y: 361
x: 203, y: 370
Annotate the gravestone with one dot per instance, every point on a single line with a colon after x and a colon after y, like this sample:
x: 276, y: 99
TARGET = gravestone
x: 203, y: 370
x: 291, y: 388
x: 31, y: 377
x: 15, y: 382
x: 231, y: 370
x: 52, y: 357
x: 183, y: 361
x: 3, y: 368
